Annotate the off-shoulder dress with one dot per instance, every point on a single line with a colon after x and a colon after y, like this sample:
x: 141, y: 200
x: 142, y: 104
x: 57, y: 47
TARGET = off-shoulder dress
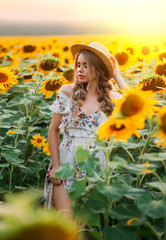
x: 76, y: 131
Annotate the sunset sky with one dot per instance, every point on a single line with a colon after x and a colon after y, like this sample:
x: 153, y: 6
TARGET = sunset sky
x: 131, y: 16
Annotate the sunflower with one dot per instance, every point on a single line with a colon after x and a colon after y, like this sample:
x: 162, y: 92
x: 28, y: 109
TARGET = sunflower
x: 135, y: 105
x: 28, y: 50
x: 69, y: 74
x: 145, y: 50
x: 160, y: 69
x: 50, y: 86
x: 122, y: 58
x: 154, y: 83
x: 162, y: 127
x: 7, y: 79
x: 115, y: 126
x: 48, y: 64
x: 38, y: 141
x: 162, y: 56
x: 46, y: 149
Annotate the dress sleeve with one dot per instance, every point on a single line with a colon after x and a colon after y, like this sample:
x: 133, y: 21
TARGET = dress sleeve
x: 62, y: 104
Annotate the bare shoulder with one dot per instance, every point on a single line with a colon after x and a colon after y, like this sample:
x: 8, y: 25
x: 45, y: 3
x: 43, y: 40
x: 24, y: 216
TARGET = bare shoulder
x: 115, y: 95
x: 67, y: 89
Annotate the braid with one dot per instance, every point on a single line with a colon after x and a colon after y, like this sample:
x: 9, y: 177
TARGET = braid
x: 104, y: 88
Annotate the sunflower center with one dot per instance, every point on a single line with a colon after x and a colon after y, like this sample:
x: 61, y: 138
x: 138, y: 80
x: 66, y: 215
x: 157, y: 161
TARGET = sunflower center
x: 48, y: 65
x: 163, y: 122
x: 154, y: 84
x: 39, y: 140
x: 122, y: 58
x: 145, y: 50
x: 52, y: 86
x: 29, y: 48
x: 132, y: 105
x: 161, y: 69
x: 27, y: 76
x: 114, y: 128
x: 3, y: 77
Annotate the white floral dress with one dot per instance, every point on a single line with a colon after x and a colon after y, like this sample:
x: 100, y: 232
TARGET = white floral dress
x: 76, y: 132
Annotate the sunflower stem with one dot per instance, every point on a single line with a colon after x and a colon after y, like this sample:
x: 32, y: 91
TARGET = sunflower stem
x: 11, y: 175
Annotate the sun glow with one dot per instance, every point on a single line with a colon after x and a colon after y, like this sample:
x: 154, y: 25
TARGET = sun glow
x: 119, y: 16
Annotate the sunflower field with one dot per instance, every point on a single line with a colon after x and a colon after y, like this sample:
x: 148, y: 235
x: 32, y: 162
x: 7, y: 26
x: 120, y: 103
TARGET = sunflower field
x: 127, y: 199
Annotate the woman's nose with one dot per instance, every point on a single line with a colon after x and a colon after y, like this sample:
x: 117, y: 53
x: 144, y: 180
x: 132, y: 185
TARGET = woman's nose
x: 81, y: 68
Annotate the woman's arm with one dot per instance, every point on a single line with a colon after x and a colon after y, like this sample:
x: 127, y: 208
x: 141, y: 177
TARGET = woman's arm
x: 53, y: 141
x: 116, y: 74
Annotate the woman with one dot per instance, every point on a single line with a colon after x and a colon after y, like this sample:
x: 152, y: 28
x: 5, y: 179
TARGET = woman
x: 77, y: 110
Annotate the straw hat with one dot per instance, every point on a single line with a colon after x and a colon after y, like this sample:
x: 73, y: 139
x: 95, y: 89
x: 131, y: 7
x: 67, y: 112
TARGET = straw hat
x: 100, y: 50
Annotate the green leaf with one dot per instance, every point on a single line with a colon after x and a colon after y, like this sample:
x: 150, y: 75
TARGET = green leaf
x: 1, y: 176
x: 119, y: 233
x: 4, y: 165
x: 127, y: 212
x: 131, y: 144
x: 126, y: 178
x: 161, y: 156
x: 77, y: 188
x: 158, y: 185
x: 86, y: 216
x: 133, y: 193
x: 65, y: 170
x: 20, y: 187
x: 152, y: 208
x: 81, y: 154
x: 115, y: 191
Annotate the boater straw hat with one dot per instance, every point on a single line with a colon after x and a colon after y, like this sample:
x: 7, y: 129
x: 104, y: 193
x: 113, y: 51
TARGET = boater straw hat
x: 100, y: 50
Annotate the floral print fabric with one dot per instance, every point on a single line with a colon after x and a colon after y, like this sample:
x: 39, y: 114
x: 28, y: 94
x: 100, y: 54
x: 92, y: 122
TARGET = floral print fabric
x: 77, y: 131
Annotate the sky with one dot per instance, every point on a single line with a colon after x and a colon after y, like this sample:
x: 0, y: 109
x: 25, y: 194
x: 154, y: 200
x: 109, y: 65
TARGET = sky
x: 120, y: 16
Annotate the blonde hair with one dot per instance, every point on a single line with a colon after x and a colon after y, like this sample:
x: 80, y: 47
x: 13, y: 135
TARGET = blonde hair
x: 103, y: 84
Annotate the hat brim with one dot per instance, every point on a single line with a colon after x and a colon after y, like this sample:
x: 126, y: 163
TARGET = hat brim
x: 76, y: 48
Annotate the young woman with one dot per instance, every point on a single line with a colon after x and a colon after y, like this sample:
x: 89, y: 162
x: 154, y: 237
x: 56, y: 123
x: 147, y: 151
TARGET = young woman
x: 77, y: 111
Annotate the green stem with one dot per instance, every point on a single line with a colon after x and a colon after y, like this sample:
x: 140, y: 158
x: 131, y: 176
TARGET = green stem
x: 129, y: 153
x: 147, y: 142
x: 153, y: 230
x: 140, y: 182
x: 10, y: 180
x: 165, y: 228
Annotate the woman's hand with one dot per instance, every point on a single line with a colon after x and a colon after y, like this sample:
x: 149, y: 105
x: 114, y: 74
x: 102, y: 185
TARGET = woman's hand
x: 55, y: 181
x: 115, y: 66
x: 116, y: 74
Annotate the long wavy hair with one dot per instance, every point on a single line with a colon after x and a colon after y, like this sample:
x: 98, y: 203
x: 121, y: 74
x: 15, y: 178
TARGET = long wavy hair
x: 104, y: 86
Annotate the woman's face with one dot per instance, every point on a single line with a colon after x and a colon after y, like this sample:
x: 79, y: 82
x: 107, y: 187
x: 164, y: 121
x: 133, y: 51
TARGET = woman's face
x: 82, y: 70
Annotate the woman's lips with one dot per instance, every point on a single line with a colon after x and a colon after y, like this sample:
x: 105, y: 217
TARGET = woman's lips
x: 81, y: 76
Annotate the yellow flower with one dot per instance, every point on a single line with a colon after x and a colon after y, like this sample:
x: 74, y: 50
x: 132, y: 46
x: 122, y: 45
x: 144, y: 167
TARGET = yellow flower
x: 146, y: 170
x: 46, y: 149
x: 28, y: 50
x: 48, y: 64
x: 10, y: 131
x: 50, y: 86
x: 38, y: 141
x: 122, y: 58
x: 160, y: 69
x: 147, y: 164
x: 154, y: 83
x: 135, y: 105
x: 115, y: 126
x: 162, y: 126
x: 7, y: 79
x: 131, y: 220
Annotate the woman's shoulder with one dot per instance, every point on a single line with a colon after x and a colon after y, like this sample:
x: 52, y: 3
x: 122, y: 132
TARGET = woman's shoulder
x: 115, y: 95
x: 67, y: 89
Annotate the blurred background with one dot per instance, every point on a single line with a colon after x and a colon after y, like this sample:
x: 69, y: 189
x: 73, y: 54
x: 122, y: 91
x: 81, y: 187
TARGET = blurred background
x: 53, y: 17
